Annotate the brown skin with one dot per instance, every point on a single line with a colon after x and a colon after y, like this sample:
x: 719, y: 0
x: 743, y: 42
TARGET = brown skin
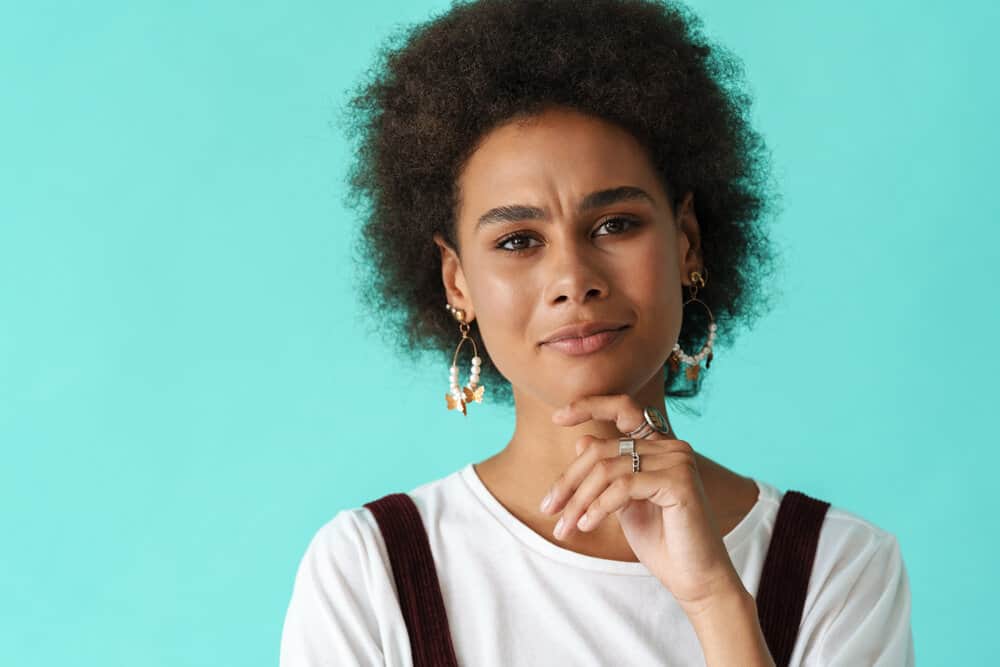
x: 575, y: 267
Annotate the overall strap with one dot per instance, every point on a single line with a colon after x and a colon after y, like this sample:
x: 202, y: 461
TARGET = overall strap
x: 785, y: 577
x: 416, y: 580
x: 780, y: 598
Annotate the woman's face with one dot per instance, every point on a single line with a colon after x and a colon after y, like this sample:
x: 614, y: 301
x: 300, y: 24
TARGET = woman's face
x: 542, y: 247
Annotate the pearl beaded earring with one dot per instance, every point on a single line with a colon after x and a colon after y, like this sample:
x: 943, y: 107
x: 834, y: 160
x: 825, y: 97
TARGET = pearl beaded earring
x: 458, y: 398
x: 677, y: 355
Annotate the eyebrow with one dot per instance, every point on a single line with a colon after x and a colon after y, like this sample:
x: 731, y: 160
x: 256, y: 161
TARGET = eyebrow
x: 598, y: 199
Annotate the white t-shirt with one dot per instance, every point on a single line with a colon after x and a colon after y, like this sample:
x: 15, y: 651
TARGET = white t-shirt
x: 514, y: 598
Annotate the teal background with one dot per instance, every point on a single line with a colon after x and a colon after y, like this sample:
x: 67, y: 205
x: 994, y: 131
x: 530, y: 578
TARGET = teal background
x: 187, y: 387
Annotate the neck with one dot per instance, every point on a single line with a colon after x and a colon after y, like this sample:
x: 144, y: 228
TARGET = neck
x: 540, y: 450
x: 521, y: 474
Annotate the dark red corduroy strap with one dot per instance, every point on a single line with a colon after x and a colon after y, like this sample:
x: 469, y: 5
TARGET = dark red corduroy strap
x: 780, y: 597
x: 785, y: 577
x: 416, y: 580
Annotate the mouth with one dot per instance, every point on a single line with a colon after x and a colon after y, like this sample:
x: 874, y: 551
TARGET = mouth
x: 579, y: 345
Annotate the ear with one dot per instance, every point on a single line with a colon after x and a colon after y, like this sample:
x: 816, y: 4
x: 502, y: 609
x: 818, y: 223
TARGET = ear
x: 688, y: 240
x: 455, y: 287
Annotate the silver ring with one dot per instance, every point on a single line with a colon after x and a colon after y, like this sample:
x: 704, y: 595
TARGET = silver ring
x: 626, y: 447
x: 653, y: 421
x: 641, y: 431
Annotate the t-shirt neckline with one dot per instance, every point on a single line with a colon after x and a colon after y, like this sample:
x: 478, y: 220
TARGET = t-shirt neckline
x: 539, y: 544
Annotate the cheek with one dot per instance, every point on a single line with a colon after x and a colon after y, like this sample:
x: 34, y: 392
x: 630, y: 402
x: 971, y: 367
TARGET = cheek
x: 655, y: 284
x: 655, y: 291
x: 504, y: 302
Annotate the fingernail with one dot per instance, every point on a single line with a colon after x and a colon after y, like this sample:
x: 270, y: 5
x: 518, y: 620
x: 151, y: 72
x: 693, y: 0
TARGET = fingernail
x: 582, y: 523
x: 559, y: 527
x: 546, y: 501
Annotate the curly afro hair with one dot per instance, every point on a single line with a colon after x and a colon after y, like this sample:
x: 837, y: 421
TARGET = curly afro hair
x: 438, y: 87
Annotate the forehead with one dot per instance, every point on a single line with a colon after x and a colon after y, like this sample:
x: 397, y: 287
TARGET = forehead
x: 557, y: 151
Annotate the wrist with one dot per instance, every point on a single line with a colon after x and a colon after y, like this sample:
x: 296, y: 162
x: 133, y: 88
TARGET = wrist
x: 729, y: 631
x: 728, y: 594
x: 733, y: 600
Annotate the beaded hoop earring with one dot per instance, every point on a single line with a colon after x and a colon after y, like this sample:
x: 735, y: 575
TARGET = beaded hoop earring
x: 677, y: 355
x: 457, y: 398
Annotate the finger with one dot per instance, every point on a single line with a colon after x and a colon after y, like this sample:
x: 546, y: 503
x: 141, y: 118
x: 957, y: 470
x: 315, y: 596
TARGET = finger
x: 658, y: 476
x: 590, y: 450
x: 614, y: 471
x: 621, y: 409
x: 588, y: 453
x: 600, y: 475
x: 641, y: 446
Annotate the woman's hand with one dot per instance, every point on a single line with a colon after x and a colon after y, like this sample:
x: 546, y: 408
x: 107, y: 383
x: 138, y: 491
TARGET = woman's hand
x: 662, y: 509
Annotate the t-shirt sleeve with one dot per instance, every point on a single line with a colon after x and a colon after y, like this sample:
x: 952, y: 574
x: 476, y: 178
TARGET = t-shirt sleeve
x: 330, y: 618
x: 872, y: 626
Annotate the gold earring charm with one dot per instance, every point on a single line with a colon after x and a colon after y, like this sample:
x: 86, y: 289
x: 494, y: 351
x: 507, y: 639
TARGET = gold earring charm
x: 677, y: 355
x: 458, y: 398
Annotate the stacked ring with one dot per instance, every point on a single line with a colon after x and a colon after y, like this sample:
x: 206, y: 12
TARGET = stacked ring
x: 653, y: 422
x: 627, y: 446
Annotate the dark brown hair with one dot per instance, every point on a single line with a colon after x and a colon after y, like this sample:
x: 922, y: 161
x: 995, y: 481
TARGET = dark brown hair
x: 438, y: 87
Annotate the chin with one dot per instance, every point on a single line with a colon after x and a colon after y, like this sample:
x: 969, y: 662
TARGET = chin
x: 592, y: 382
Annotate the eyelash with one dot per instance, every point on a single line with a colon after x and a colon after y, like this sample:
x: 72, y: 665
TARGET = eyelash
x: 632, y: 224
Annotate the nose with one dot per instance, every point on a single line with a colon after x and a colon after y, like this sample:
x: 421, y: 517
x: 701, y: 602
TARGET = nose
x: 575, y: 273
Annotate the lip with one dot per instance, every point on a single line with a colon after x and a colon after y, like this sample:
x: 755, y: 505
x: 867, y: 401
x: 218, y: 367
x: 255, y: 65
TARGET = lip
x: 585, y: 337
x: 582, y: 330
x: 588, y: 344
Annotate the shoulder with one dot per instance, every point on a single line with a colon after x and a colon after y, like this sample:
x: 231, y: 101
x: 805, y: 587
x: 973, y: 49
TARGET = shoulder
x: 347, y: 538
x: 344, y: 607
x: 845, y: 533
x: 857, y: 607
x: 859, y: 564
x: 353, y: 533
x: 342, y: 601
x: 343, y: 568
x: 850, y: 543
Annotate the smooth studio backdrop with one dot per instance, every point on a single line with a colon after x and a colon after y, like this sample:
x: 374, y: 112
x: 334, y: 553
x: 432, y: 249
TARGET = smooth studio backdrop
x: 188, y: 391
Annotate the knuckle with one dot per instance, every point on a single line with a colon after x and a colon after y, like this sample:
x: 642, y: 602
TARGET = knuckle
x: 558, y: 485
x: 604, y: 467
x: 686, y: 472
x: 622, y: 483
x: 684, y: 446
x: 683, y: 461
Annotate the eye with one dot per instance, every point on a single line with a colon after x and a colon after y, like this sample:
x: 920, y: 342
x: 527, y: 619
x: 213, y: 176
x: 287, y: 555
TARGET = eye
x: 622, y: 224
x: 628, y: 223
x: 514, y: 237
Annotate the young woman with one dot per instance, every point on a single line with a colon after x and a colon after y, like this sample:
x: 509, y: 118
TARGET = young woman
x: 570, y: 192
